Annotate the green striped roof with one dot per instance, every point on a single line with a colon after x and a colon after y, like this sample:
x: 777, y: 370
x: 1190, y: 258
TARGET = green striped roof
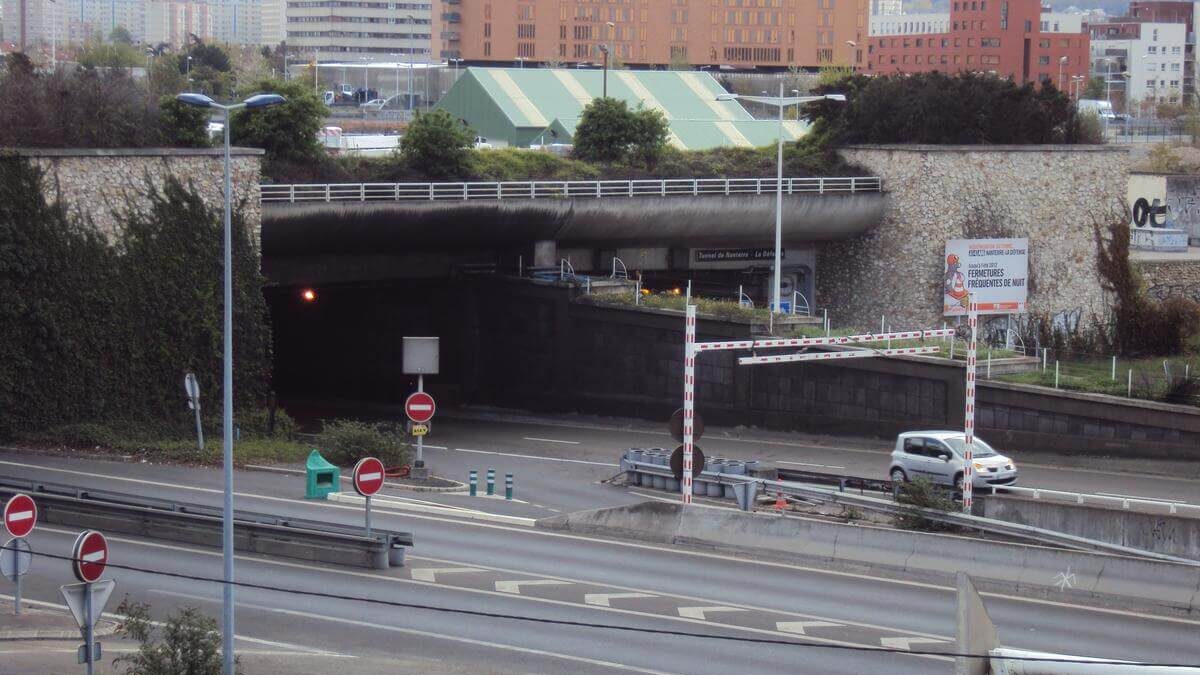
x: 535, y: 98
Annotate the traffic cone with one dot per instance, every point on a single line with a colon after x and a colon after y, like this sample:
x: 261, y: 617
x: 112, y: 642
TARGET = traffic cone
x: 780, y: 502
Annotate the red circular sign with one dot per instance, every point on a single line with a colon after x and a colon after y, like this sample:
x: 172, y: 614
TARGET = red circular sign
x: 419, y: 407
x: 20, y: 515
x: 368, y: 476
x: 90, y: 556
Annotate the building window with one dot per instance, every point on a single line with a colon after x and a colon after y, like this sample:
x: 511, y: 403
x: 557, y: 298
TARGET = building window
x: 1043, y: 44
x: 1043, y: 60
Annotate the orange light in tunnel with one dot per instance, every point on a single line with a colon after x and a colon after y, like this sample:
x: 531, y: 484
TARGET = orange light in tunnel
x: 676, y: 291
x: 308, y: 295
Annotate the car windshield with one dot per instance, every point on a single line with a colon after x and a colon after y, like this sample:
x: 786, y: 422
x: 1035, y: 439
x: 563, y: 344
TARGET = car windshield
x: 978, y: 447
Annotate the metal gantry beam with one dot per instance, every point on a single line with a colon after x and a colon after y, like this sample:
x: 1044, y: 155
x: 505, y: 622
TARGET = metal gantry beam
x: 826, y: 356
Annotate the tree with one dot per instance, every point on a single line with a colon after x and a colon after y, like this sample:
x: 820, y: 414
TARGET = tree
x: 120, y: 36
x: 188, y: 642
x: 437, y: 145
x: 288, y: 132
x: 1095, y: 88
x: 182, y: 125
x: 649, y: 134
x: 110, y: 55
x: 604, y: 131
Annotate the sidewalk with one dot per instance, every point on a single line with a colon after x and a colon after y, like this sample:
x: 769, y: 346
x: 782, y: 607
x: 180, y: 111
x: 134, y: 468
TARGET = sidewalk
x: 41, y: 623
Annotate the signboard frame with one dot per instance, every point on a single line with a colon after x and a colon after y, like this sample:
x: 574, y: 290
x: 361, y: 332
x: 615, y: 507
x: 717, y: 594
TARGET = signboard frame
x: 992, y: 273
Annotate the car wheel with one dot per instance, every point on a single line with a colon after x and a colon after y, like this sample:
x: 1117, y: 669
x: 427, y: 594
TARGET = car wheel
x: 898, y: 475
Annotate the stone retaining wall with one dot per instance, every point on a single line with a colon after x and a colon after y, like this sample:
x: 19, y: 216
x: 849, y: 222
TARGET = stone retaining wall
x: 1050, y: 194
x: 99, y: 184
x: 1169, y: 278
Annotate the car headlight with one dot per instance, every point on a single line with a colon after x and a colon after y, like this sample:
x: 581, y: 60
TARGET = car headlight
x: 1008, y: 467
x: 979, y: 466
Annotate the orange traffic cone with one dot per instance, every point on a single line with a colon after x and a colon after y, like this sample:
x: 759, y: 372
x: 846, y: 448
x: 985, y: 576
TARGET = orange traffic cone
x: 780, y: 502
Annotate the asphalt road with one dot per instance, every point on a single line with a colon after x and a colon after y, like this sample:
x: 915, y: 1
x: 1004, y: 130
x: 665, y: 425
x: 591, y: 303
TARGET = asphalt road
x: 462, y: 560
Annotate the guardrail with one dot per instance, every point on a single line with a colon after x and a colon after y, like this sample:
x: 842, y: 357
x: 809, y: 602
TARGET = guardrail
x: 890, y: 507
x: 592, y: 189
x: 198, y: 524
x: 1172, y: 507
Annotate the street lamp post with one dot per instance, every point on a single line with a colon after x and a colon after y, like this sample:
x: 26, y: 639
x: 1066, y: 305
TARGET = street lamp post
x: 781, y: 102
x: 412, y: 21
x: 254, y: 102
x: 1062, y: 62
x: 608, y: 28
x: 53, y: 35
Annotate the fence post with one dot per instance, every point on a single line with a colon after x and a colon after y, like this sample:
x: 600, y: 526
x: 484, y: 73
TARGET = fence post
x: 989, y: 364
x: 1044, y: 352
x: 825, y: 317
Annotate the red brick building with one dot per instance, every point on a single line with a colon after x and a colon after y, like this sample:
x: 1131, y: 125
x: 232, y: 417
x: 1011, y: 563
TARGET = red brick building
x: 1005, y: 37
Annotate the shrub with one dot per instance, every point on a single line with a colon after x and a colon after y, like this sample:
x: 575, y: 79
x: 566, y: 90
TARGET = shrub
x: 609, y: 131
x: 437, y: 145
x: 919, y: 494
x: 344, y: 442
x: 516, y: 164
x: 188, y: 642
x: 257, y: 422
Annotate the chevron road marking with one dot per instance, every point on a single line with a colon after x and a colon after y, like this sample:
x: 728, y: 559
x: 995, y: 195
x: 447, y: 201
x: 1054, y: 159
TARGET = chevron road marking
x: 801, y: 627
x: 430, y: 573
x: 602, y: 599
x: 515, y: 586
x: 907, y: 642
x: 699, y: 612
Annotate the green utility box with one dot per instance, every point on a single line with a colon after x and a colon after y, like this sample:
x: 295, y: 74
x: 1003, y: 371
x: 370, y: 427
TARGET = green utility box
x: 322, y: 477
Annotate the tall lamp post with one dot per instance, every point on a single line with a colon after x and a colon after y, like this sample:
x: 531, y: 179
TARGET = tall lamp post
x: 412, y: 21
x: 252, y: 103
x: 1062, y: 62
x: 604, y: 48
x: 780, y: 102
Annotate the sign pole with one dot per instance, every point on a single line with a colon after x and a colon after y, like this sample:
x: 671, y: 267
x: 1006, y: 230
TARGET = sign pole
x: 420, y: 439
x: 689, y: 392
x: 17, y: 592
x: 969, y: 417
x: 87, y: 627
x: 368, y: 498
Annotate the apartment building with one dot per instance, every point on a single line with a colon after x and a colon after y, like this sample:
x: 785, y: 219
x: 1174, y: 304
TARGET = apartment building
x: 372, y: 29
x: 1011, y: 38
x: 742, y: 34
x: 1144, y: 61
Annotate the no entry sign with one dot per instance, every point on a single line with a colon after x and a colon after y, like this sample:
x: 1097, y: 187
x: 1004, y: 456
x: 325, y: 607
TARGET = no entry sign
x: 419, y: 407
x: 90, y: 555
x: 368, y: 476
x: 20, y: 515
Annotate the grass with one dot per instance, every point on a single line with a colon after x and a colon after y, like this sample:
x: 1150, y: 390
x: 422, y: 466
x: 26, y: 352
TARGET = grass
x: 1094, y: 375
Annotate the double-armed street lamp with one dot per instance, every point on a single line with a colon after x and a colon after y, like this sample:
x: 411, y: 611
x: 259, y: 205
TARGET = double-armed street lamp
x: 780, y: 102
x: 253, y: 103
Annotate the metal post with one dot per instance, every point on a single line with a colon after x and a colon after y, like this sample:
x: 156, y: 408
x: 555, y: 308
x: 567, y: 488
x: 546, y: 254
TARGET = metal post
x: 508, y: 486
x: 779, y: 207
x: 969, y: 413
x: 1129, y: 384
x: 520, y: 265
x: 227, y: 416
x: 1056, y: 373
x: 688, y: 299
x: 989, y: 364
x: 491, y: 482
x: 689, y: 390
x: 473, y: 481
x: 199, y: 427
x: 825, y: 320
x: 368, y: 498
x: 1114, y: 368
x: 1045, y: 350
x: 88, y: 632
x: 411, y: 22
x: 420, y: 439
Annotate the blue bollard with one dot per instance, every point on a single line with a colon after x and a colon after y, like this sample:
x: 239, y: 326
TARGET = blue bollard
x: 491, y: 482
x: 508, y: 486
x: 473, y: 479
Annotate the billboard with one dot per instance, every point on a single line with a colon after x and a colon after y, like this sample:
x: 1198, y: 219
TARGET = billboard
x: 995, y: 272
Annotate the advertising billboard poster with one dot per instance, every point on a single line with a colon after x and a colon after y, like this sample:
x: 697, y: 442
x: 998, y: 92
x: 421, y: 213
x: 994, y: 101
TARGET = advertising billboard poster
x: 994, y: 271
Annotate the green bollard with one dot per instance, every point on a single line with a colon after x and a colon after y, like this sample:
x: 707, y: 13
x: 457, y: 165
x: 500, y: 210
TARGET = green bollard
x: 491, y: 482
x: 473, y: 480
x: 508, y: 486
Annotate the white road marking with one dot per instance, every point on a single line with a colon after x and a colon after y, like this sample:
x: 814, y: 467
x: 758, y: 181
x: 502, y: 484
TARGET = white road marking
x: 799, y: 627
x: 548, y: 440
x: 907, y: 642
x: 515, y: 586
x: 453, y: 638
x: 430, y: 573
x: 621, y: 544
x: 699, y: 612
x: 1149, y: 499
x: 603, y: 599
x: 520, y: 456
x: 386, y: 503
x: 826, y: 466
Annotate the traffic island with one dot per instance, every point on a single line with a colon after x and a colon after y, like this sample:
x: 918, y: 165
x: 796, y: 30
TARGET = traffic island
x: 1028, y: 570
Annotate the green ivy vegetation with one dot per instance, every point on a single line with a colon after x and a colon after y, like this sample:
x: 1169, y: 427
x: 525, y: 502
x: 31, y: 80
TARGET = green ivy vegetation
x: 102, y: 331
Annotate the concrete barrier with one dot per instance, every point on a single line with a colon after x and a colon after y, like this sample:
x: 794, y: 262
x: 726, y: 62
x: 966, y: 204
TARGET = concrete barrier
x: 1036, y: 571
x: 1134, y: 527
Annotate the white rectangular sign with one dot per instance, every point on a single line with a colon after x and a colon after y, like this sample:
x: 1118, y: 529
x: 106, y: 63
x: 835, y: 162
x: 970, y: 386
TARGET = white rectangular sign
x: 995, y: 272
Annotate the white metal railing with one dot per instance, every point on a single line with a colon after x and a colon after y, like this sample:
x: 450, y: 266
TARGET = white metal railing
x: 619, y: 271
x: 1095, y: 498
x: 800, y: 304
x: 594, y: 189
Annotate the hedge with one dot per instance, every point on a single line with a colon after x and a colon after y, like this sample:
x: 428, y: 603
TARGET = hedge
x: 95, y: 330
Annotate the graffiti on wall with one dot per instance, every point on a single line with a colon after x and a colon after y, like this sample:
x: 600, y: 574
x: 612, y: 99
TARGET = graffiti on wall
x: 1168, y: 290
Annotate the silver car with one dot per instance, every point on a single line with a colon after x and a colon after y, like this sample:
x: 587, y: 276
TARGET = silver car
x: 938, y: 456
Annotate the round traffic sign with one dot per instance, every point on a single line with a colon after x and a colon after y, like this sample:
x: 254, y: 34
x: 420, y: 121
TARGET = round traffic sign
x: 368, y: 476
x: 419, y: 406
x: 15, y: 559
x: 677, y: 462
x: 20, y: 515
x: 89, y: 556
x: 675, y: 425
